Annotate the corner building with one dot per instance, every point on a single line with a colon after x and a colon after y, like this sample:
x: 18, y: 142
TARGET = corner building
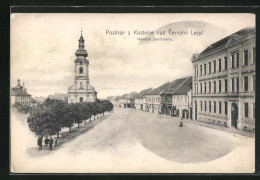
x: 81, y: 91
x: 224, y: 82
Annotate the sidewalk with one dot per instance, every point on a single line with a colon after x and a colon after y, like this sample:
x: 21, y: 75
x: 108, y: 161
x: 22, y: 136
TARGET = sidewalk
x: 213, y: 126
x: 67, y: 136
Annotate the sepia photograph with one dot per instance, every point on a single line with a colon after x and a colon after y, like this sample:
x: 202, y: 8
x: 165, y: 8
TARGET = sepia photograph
x: 132, y: 92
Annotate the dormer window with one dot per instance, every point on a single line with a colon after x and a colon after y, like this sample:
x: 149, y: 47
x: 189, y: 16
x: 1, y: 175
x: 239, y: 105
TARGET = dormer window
x: 81, y: 70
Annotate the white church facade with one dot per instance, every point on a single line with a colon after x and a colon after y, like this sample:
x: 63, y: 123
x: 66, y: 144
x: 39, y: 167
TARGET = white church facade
x: 81, y: 91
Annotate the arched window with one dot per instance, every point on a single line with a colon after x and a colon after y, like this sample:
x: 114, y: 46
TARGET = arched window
x: 81, y: 70
x: 81, y: 85
x: 81, y: 99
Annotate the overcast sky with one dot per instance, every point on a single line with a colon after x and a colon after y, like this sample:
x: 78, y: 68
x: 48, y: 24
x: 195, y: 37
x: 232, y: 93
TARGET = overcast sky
x: 43, y: 49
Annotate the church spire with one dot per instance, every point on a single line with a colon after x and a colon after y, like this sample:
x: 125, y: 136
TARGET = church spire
x: 81, y: 51
x: 81, y: 41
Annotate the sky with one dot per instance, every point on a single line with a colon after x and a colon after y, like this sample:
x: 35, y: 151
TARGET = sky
x: 43, y: 48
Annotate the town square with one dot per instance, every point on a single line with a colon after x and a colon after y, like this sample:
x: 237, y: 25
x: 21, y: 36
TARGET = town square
x: 94, y: 99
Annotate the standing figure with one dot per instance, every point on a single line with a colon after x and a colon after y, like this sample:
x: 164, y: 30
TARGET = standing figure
x: 51, y: 142
x: 46, y: 142
x: 39, y: 142
x: 56, y: 142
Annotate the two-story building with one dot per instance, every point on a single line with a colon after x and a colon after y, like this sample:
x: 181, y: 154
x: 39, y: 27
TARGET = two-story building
x: 224, y: 81
x: 139, y: 99
x: 153, y: 98
x: 181, y: 98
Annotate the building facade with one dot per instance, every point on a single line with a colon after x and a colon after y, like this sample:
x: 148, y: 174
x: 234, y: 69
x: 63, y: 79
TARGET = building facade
x: 153, y: 98
x: 181, y: 99
x: 224, y: 82
x: 81, y: 91
x: 19, y: 95
x: 175, y: 100
x: 139, y: 99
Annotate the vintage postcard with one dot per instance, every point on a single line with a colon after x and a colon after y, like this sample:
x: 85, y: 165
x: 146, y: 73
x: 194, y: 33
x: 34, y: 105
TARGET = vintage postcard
x: 132, y: 93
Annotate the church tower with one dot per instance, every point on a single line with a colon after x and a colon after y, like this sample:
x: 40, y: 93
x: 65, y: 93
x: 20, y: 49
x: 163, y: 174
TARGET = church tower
x: 81, y: 91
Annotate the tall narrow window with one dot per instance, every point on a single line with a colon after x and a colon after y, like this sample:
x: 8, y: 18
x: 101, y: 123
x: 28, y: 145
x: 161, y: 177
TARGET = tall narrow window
x: 214, y: 106
x: 209, y: 67
x: 219, y: 86
x: 226, y: 106
x: 205, y: 87
x: 225, y: 63
x: 219, y: 65
x: 209, y: 87
x: 201, y: 70
x: 205, y: 103
x: 237, y: 56
x: 225, y: 85
x: 246, y: 109
x: 200, y: 105
x: 245, y: 57
x: 195, y: 72
x: 214, y: 86
x: 219, y: 108
x: 246, y: 83
x: 205, y: 69
x: 214, y: 66
x: 209, y: 106
x: 254, y: 55
x: 254, y: 82
x: 253, y: 110
x: 237, y: 84
x: 200, y: 88
x: 233, y: 84
x: 81, y: 70
x: 232, y: 60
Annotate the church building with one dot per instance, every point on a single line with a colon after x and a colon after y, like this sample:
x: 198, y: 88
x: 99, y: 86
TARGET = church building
x: 81, y: 91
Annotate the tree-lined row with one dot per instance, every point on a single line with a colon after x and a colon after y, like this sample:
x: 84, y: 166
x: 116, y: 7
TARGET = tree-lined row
x: 49, y: 117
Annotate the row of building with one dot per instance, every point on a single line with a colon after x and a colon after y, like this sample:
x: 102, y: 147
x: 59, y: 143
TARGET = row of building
x: 221, y: 90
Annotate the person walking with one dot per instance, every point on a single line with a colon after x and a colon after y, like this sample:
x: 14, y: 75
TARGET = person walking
x: 46, y: 141
x: 39, y: 142
x: 51, y: 142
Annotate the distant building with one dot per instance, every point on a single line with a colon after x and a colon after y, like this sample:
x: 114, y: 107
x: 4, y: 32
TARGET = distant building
x: 131, y: 100
x: 59, y: 96
x: 123, y: 101
x: 224, y: 81
x: 81, y: 91
x: 139, y: 99
x: 153, y: 99
x: 19, y: 95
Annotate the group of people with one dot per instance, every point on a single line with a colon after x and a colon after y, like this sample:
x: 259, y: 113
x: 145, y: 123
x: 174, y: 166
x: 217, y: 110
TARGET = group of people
x: 48, y: 142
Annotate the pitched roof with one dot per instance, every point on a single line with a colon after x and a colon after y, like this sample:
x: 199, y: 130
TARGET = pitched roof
x: 174, y: 85
x: 117, y: 98
x: 160, y: 89
x: 222, y: 42
x: 144, y: 92
x: 134, y: 95
x: 18, y: 92
x: 185, y: 87
x: 128, y: 96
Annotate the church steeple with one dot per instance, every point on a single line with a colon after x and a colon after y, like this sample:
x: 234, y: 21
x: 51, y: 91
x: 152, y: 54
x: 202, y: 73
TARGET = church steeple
x: 81, y: 51
x: 81, y: 41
